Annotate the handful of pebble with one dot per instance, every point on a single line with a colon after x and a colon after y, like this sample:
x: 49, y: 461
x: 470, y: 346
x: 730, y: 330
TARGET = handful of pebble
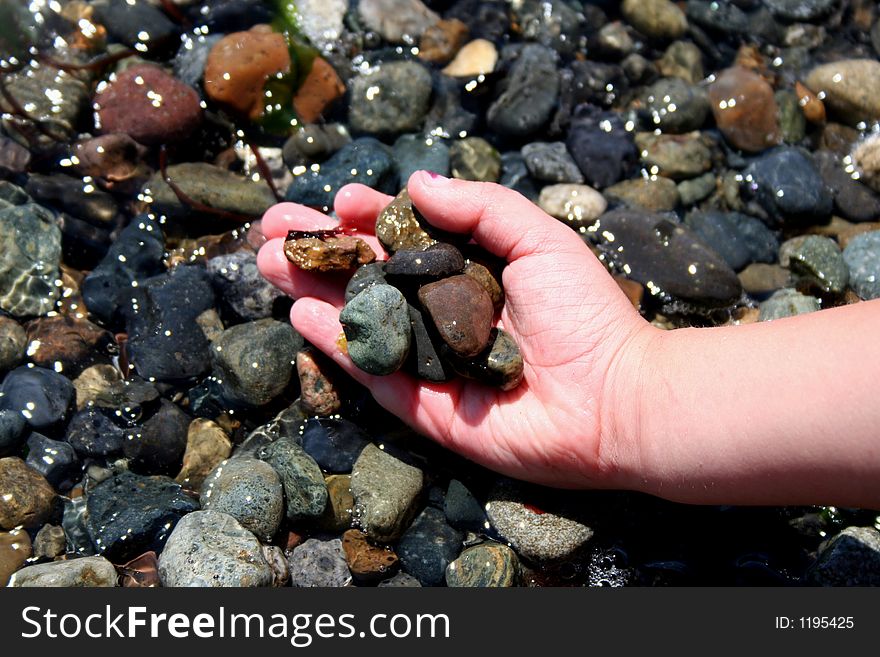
x: 428, y: 309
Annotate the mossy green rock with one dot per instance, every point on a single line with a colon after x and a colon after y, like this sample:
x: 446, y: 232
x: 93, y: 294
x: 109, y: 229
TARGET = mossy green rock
x: 817, y: 258
x: 488, y: 565
x: 304, y: 490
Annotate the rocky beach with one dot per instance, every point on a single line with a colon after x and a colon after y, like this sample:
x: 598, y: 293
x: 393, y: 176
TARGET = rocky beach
x: 163, y: 424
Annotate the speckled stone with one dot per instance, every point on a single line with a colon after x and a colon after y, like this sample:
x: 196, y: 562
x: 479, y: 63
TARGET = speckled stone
x: 304, y: 489
x: 787, y: 303
x: 818, y: 259
x: 429, y: 546
x: 250, y: 491
x: 862, y: 257
x: 318, y: 394
x: 576, y: 205
x: 13, y: 341
x: 211, y: 549
x: 852, y: 558
x: 376, y: 325
x: 385, y: 491
x: 30, y: 243
x: 499, y: 365
x: 399, y: 227
x: 485, y: 565
x: 206, y: 446
x: 80, y: 573
x: 26, y: 498
x: 401, y: 580
x: 462, y: 312
x: 674, y: 156
x: 332, y: 253
x: 473, y: 158
x: 318, y: 563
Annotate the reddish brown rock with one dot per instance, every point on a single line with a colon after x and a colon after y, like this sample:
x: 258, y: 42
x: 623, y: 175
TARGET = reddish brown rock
x: 487, y: 281
x: 318, y: 91
x: 149, y: 105
x: 745, y: 109
x: 340, y: 502
x: 462, y: 312
x: 367, y: 562
x: 317, y: 392
x: 441, y: 41
x: 812, y: 107
x: 239, y: 65
x: 26, y: 498
x: 15, y: 549
x: 66, y: 343
x: 330, y: 253
x: 141, y: 572
x: 114, y: 157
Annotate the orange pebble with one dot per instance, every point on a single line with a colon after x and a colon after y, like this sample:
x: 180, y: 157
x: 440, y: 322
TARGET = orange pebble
x: 813, y: 108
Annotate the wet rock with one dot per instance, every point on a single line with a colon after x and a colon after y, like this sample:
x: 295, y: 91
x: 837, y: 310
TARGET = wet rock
x: 385, y: 491
x: 211, y: 549
x: 26, y: 498
x: 461, y: 311
x: 862, y: 257
x: 515, y: 175
x: 13, y: 341
x: 67, y: 344
x: 250, y: 491
x: 695, y: 190
x: 738, y: 238
x: 760, y: 279
x: 792, y: 123
x: 682, y: 59
x: 208, y: 185
x: 398, y: 21
x: 787, y: 303
x: 15, y: 550
x: 127, y: 399
x: 318, y: 394
x: 601, y: 146
x: 852, y: 558
x: 12, y: 431
x: 866, y: 158
x: 157, y: 447
x: 668, y: 255
x: 30, y: 242
x: 428, y: 547
x: 321, y: 21
x: 367, y: 157
x: 207, y: 445
x: 391, y: 99
x: 80, y: 573
x: 655, y: 193
x: 529, y: 94
x: 674, y: 156
x: 335, y: 443
x: 400, y: 227
x: 376, y: 325
x: 787, y: 185
x: 134, y: 256
x: 286, y: 424
x: 41, y: 396
x: 326, y: 254
x: 318, y: 563
x: 314, y: 142
x: 448, y: 117
x: 426, y: 346
x: 441, y: 41
x: 72, y: 195
x: 462, y: 509
x: 576, y: 205
x: 672, y: 105
x: 136, y: 23
x: 401, y: 580
x: 164, y: 340
x: 659, y: 19
x: 92, y: 433
x: 365, y: 277
x: 437, y: 261
x: 192, y: 57
x: 550, y: 162
x: 499, y: 365
x: 318, y: 91
x: 304, y: 490
x: 473, y: 158
x: 238, y: 283
x: 239, y: 65
x: 817, y: 259
x: 485, y: 565
x: 153, y: 505
x: 487, y: 280
x: 554, y: 24
x: 745, y: 109
x: 850, y: 92
x: 416, y: 153
x: 367, y: 562
x: 476, y: 58
x: 114, y: 158
x: 536, y: 534
x: 148, y: 105
x: 50, y: 542
x: 53, y: 459
x: 337, y: 514
x: 853, y: 200
x: 14, y: 158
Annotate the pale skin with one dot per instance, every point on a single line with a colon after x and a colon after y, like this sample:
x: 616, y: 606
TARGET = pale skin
x: 781, y: 412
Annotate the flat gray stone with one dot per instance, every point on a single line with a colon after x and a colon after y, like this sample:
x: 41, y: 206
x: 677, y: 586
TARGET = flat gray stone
x: 385, y: 491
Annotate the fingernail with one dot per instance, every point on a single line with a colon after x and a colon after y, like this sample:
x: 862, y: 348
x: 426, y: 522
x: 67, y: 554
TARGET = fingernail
x: 436, y: 178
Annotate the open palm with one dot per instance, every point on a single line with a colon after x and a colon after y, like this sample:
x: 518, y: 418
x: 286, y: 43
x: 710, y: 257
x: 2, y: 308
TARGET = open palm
x: 562, y: 425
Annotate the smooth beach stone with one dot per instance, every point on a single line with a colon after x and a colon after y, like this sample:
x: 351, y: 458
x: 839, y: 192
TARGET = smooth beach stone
x: 487, y: 280
x: 68, y: 194
x: 317, y: 393
x: 851, y: 558
x: 576, y: 205
x: 862, y: 257
x: 397, y: 20
x: 439, y: 43
x: 760, y: 279
x: 437, y: 261
x: 529, y: 96
x: 675, y: 156
x: 655, y: 193
x: 553, y: 23
x: 417, y: 153
x: 54, y: 459
x: 13, y: 342
x: 250, y: 491
x: 551, y: 162
x: 791, y: 115
x: 136, y: 23
x: 238, y: 283
x: 364, y: 277
x: 745, y: 109
x: 80, y: 573
x: 67, y: 344
x: 324, y: 254
x: 682, y: 59
x: 602, y: 147
x: 376, y: 325
x: 385, y: 491
x: 850, y: 88
x: 853, y: 199
x: 462, y: 312
x: 473, y: 158
x: 334, y: 442
x: 660, y: 19
x: 367, y: 562
x: 787, y: 303
x: 42, y: 396
x: 673, y: 105
x: 15, y: 550
x: 818, y: 259
x: 26, y: 498
x: 153, y: 506
x: 92, y: 433
x: 390, y: 99
x: 314, y: 143
x: 305, y: 493
x: 12, y: 431
x: 477, y: 57
x: 738, y: 238
x: 696, y: 189
x: 425, y: 349
x: 428, y: 547
x: 500, y: 364
x: 485, y: 565
x: 207, y: 445
x: 318, y: 563
x: 462, y: 509
x: 340, y: 503
x: 157, y: 447
x: 30, y: 243
x: 400, y: 227
x: 211, y: 549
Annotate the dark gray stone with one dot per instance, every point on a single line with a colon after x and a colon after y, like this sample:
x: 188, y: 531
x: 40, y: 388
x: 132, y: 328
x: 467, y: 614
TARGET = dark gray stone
x: 157, y: 447
x: 862, y: 257
x: 428, y: 547
x: 304, y: 490
x: 391, y: 99
x: 334, y: 443
x: 550, y: 162
x: 250, y: 491
x: 529, y: 94
x: 43, y: 397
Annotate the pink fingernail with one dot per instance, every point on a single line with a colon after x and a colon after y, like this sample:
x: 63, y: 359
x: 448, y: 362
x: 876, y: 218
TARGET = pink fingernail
x: 436, y: 177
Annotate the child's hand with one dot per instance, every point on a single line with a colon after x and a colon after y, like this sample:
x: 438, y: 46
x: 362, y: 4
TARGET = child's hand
x: 573, y: 421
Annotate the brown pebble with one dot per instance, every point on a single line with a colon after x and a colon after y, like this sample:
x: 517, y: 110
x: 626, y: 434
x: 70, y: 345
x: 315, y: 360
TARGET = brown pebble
x: 398, y: 227
x: 366, y: 561
x: 318, y: 91
x: 206, y: 446
x: 812, y: 107
x: 15, y: 549
x: 441, y: 41
x: 340, y: 502
x: 66, y: 343
x: 26, y: 498
x: 487, y: 281
x: 745, y: 109
x: 141, y: 572
x: 462, y: 312
x: 633, y: 290
x: 317, y: 392
x: 332, y: 253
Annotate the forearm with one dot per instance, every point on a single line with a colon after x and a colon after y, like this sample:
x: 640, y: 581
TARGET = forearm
x: 783, y: 412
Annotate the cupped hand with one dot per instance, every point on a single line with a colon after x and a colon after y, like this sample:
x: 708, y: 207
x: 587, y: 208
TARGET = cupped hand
x: 573, y: 422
